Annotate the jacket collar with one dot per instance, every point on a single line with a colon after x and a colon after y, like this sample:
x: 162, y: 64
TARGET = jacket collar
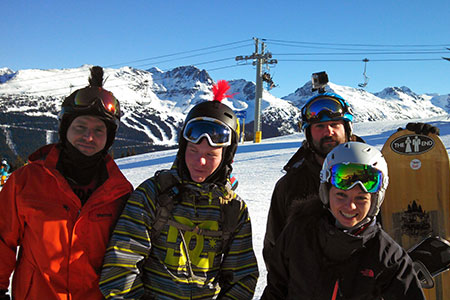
x: 338, y: 245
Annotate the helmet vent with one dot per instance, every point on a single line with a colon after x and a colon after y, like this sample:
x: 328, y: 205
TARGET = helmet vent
x: 228, y: 115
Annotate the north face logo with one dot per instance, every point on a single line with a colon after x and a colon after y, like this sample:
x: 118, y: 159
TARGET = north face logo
x: 367, y: 273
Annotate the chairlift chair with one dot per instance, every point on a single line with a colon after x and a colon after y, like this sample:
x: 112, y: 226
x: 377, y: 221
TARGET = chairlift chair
x: 366, y: 79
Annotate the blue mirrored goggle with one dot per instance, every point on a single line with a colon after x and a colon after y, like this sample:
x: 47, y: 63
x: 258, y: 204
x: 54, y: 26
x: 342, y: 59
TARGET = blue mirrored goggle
x: 217, y: 132
x: 346, y: 176
x: 315, y: 111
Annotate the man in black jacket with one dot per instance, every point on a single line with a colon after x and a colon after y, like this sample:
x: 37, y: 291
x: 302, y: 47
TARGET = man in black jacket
x: 327, y: 122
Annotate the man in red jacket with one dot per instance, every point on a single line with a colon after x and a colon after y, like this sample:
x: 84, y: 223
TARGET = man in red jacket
x: 61, y: 207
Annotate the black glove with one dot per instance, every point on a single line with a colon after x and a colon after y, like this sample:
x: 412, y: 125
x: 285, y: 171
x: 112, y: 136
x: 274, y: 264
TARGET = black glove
x: 3, y: 295
x: 422, y: 128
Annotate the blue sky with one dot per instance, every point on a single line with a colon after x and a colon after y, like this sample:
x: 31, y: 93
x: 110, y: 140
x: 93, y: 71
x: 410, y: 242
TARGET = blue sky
x: 304, y: 36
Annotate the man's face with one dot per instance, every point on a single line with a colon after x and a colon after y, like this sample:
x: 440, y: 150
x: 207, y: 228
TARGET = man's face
x: 202, y: 159
x: 88, y: 134
x: 327, y: 135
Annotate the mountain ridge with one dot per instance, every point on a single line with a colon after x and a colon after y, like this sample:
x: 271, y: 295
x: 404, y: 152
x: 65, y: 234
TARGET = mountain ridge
x: 154, y: 104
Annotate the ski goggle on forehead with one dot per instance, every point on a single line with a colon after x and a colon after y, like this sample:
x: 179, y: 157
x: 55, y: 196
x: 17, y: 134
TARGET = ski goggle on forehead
x: 346, y: 176
x: 89, y: 96
x: 217, y: 132
x: 314, y: 111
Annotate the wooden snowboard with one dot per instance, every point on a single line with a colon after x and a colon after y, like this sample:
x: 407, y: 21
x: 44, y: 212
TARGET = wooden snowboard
x: 417, y: 202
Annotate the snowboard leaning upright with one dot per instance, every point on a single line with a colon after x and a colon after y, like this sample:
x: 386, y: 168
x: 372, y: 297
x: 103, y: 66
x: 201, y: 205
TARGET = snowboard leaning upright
x: 417, y: 202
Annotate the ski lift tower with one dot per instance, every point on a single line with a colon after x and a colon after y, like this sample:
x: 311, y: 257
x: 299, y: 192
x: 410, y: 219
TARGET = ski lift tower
x: 259, y: 58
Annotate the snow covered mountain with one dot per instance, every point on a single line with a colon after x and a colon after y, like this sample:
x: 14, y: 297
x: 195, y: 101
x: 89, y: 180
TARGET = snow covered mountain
x: 154, y: 104
x: 392, y: 103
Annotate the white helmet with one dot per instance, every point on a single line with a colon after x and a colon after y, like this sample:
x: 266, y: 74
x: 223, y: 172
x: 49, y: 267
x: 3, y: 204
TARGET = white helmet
x: 368, y: 158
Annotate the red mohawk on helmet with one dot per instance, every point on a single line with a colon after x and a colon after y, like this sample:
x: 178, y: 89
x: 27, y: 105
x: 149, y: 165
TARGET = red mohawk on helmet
x: 220, y: 89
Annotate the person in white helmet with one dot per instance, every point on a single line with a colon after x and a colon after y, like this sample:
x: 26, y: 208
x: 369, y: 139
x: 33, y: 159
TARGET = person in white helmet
x: 334, y: 248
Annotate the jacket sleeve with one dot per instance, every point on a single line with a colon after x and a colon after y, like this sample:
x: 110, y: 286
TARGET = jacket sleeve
x: 399, y: 280
x: 239, y: 270
x: 275, y: 221
x: 129, y: 246
x: 278, y: 269
x: 11, y: 230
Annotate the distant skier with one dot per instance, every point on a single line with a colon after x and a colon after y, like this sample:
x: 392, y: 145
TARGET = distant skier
x: 4, y: 171
x: 332, y: 247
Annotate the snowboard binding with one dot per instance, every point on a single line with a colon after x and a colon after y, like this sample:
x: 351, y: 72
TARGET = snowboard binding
x: 431, y: 257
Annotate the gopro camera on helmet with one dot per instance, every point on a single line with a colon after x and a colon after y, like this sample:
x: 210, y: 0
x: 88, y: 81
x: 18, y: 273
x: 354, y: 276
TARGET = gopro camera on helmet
x: 319, y: 81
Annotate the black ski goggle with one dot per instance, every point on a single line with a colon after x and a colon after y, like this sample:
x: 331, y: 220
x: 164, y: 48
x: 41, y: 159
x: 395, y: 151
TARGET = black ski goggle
x: 87, y: 97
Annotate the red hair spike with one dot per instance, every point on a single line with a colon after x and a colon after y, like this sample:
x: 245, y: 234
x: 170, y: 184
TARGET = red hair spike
x: 220, y: 89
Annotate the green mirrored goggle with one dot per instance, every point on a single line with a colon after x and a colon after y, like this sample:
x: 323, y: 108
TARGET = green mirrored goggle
x: 346, y: 176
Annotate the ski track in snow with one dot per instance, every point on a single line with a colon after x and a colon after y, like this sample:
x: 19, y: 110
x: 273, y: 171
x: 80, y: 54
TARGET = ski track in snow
x: 146, y: 129
x: 9, y: 142
x: 49, y: 136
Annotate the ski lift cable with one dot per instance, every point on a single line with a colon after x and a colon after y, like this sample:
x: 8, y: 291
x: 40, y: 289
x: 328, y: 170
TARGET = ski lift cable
x: 190, y: 56
x: 360, y: 45
x: 83, y: 72
x: 180, y: 53
x: 362, y: 53
x: 358, y: 60
x: 347, y: 49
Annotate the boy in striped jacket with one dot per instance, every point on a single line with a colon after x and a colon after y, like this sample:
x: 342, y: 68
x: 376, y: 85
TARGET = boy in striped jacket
x: 185, y: 233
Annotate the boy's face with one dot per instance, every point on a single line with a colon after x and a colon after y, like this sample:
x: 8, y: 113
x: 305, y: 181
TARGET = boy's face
x: 202, y: 159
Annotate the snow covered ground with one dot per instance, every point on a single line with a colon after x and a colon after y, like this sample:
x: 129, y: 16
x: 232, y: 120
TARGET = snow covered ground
x: 258, y: 167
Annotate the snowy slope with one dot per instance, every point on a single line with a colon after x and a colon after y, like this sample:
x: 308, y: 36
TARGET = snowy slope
x: 258, y: 167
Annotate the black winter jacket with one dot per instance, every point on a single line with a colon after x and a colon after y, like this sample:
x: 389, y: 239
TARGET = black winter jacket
x: 312, y: 258
x: 300, y: 182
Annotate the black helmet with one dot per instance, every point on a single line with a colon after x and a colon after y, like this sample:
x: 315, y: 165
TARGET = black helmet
x: 215, y: 111
x: 91, y: 100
